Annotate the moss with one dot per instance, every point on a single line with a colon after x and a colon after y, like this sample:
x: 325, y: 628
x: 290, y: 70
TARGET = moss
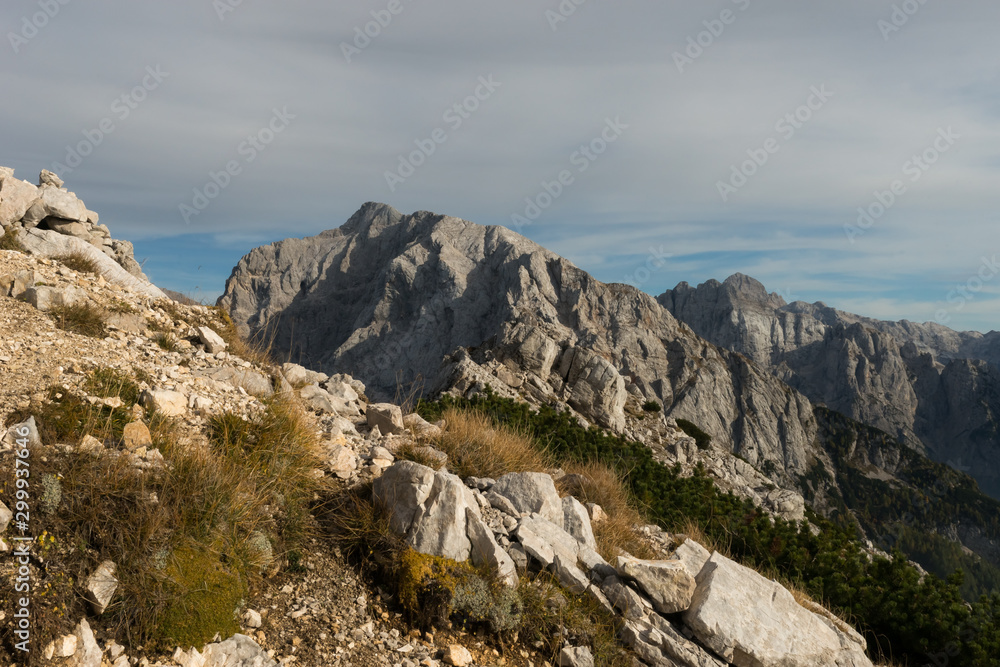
x: 205, y: 598
x: 425, y: 584
x: 51, y: 493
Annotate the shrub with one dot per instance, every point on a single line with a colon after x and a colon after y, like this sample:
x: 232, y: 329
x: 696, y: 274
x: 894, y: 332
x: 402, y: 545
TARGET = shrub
x: 553, y: 617
x: 78, y: 261
x: 66, y: 418
x: 651, y: 406
x: 185, y: 560
x: 82, y: 318
x: 10, y: 240
x: 121, y: 307
x: 702, y: 439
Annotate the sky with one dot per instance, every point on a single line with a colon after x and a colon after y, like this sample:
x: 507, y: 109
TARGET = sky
x: 844, y: 151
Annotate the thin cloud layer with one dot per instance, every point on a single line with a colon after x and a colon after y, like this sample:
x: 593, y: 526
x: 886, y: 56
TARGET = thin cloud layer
x: 727, y: 159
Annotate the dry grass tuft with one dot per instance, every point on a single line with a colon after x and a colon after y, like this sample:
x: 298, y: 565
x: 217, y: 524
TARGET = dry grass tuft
x: 476, y: 447
x: 259, y: 349
x: 77, y: 261
x: 595, y: 482
x: 10, y: 240
x: 82, y: 318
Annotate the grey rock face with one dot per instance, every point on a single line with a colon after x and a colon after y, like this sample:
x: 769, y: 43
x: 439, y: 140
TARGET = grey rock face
x: 392, y: 298
x: 749, y: 620
x: 667, y: 583
x: 531, y: 492
x: 934, y: 388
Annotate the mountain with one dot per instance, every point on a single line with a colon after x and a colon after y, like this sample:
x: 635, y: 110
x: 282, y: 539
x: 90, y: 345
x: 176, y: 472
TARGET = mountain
x: 936, y: 389
x: 393, y: 299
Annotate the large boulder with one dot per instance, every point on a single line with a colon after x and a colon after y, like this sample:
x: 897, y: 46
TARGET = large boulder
x: 543, y: 540
x: 692, y: 556
x: 46, y: 298
x: 752, y: 621
x: 576, y: 522
x: 486, y: 551
x: 531, y: 493
x: 165, y: 402
x: 428, y: 508
x: 387, y: 417
x: 667, y: 583
x: 61, y: 204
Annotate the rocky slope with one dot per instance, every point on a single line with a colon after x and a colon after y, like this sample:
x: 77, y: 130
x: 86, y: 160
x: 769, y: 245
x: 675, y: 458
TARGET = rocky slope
x: 936, y: 389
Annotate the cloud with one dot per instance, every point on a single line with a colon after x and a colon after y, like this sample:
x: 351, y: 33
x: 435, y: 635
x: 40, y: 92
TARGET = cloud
x: 657, y: 185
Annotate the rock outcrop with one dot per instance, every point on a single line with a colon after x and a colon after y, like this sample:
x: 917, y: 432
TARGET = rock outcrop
x: 51, y: 221
x: 737, y: 616
x: 936, y: 389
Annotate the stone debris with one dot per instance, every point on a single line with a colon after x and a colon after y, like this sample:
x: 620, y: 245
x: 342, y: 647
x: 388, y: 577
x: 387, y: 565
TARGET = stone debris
x: 457, y: 655
x: 576, y: 656
x: 388, y: 418
x: 101, y: 586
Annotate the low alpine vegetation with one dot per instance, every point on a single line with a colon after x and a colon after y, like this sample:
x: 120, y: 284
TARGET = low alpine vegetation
x: 903, y: 614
